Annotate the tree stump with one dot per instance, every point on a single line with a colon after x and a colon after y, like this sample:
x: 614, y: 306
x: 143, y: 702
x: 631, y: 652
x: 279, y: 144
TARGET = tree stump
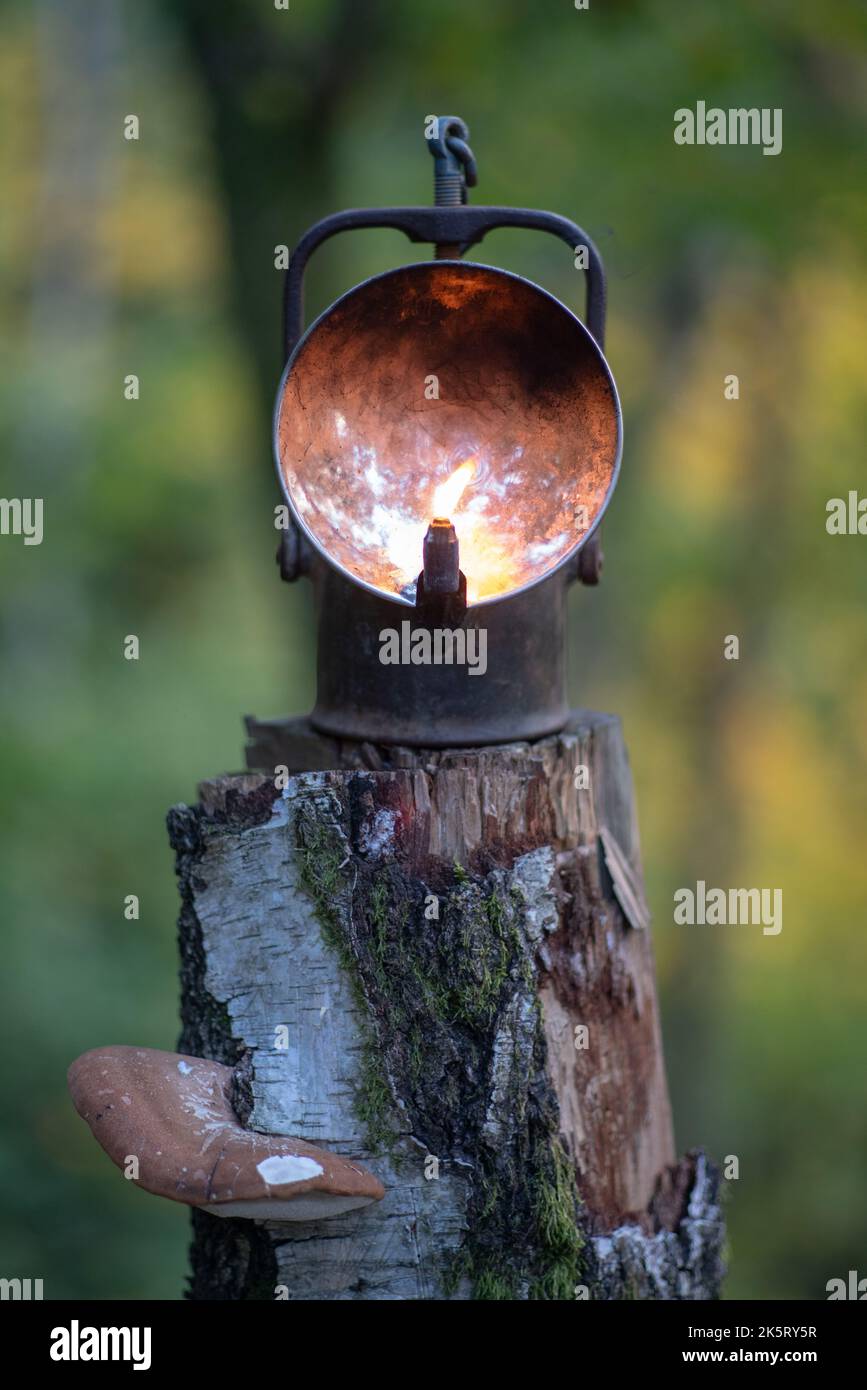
x: 439, y: 962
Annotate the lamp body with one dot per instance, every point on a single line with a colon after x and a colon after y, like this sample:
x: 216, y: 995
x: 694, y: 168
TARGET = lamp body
x: 457, y: 380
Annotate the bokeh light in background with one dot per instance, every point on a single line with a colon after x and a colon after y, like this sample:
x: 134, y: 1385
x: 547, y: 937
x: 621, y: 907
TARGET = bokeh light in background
x: 156, y: 257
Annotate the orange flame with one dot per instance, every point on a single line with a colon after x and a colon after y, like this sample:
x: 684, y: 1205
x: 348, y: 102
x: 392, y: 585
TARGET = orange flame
x: 447, y: 496
x: 485, y: 557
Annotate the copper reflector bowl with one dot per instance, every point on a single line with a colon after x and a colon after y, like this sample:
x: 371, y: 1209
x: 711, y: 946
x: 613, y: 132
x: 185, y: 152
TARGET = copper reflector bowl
x: 453, y: 390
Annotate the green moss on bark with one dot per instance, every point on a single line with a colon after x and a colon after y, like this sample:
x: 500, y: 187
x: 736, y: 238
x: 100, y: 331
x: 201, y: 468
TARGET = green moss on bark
x: 321, y: 857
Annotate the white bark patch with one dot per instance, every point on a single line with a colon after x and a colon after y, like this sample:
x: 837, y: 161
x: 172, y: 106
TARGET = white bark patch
x: 376, y: 836
x: 535, y: 875
x: 512, y: 1051
x: 268, y: 961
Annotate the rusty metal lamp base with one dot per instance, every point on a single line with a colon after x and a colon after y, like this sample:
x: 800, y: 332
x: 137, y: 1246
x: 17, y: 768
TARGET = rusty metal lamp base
x: 517, y: 647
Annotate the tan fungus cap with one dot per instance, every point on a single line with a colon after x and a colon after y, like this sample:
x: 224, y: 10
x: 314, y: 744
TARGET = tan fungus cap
x: 174, y: 1114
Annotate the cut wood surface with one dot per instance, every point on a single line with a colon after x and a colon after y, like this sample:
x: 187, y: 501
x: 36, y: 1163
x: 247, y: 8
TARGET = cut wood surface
x: 423, y: 960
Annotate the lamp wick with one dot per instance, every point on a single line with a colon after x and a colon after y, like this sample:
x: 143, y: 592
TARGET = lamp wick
x: 441, y: 565
x: 441, y: 585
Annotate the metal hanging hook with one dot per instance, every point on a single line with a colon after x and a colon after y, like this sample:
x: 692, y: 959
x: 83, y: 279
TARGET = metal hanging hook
x: 455, y: 171
x: 454, y: 162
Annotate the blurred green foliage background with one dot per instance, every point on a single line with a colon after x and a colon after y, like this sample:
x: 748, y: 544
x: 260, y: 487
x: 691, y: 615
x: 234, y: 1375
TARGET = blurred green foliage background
x: 157, y: 257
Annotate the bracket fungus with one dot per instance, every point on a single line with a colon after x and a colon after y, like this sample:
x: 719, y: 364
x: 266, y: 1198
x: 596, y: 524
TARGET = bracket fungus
x: 174, y: 1115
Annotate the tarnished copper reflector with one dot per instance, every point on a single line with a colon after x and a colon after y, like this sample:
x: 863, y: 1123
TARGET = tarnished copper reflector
x: 453, y: 390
